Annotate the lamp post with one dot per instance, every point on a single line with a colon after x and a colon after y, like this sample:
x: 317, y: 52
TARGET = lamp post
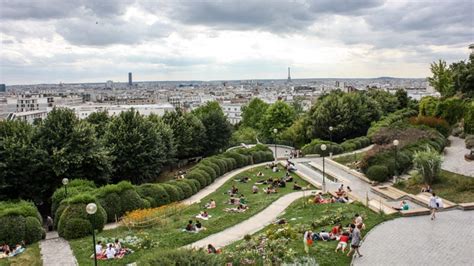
x: 395, y: 143
x: 275, y: 131
x: 91, y: 209
x: 323, y: 149
x: 65, y: 182
x: 330, y: 138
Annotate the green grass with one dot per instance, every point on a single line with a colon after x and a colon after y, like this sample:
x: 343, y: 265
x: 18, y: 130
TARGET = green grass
x: 171, y: 236
x: 30, y: 257
x: 348, y: 160
x: 323, y: 251
x: 451, y: 186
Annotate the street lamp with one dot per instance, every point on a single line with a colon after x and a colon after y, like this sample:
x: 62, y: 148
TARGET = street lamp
x: 395, y: 143
x: 323, y: 149
x: 65, y: 182
x: 276, y: 155
x: 330, y: 133
x: 91, y: 209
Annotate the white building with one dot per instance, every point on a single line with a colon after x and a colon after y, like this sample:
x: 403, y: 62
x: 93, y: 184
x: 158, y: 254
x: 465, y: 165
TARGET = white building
x: 233, y: 111
x: 84, y: 110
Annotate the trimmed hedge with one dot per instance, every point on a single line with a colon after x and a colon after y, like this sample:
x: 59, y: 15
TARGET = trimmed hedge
x: 75, y: 222
x: 390, y: 119
x: 156, y: 192
x: 378, y: 173
x: 172, y: 191
x: 20, y: 221
x: 314, y: 147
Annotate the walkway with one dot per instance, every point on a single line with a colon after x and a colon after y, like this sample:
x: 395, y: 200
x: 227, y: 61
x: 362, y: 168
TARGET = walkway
x: 420, y: 241
x: 55, y: 251
x: 251, y: 225
x: 453, y: 160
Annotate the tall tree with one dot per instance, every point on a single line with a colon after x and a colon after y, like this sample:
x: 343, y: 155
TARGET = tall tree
x: 72, y: 146
x: 218, y: 129
x: 167, y: 137
x: 188, y: 131
x: 442, y: 79
x: 245, y: 135
x: 296, y: 135
x: 100, y: 121
x: 463, y: 76
x: 137, y: 147
x: 278, y: 116
x: 252, y: 113
x: 402, y: 98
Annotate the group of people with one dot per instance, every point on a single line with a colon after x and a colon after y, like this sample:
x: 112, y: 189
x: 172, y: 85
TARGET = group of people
x: 6, y: 251
x: 194, y: 227
x: 340, y: 196
x: 111, y: 250
x: 351, y: 233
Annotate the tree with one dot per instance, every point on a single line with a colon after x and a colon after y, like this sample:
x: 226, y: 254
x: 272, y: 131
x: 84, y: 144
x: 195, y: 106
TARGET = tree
x: 252, y: 113
x: 100, y: 121
x: 428, y: 106
x: 387, y: 101
x: 137, y: 146
x: 24, y: 172
x: 463, y: 76
x: 167, y: 137
x: 278, y: 116
x: 245, y: 135
x: 218, y: 129
x: 428, y: 163
x: 402, y: 98
x: 349, y: 114
x: 442, y: 79
x: 188, y: 132
x: 72, y: 147
x: 297, y: 133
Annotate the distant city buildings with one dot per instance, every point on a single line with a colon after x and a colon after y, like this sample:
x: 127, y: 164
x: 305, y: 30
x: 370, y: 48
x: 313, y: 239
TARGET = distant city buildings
x: 130, y: 81
x: 3, y: 88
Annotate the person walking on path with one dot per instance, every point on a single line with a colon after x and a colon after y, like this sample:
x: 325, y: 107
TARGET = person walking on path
x: 355, y: 242
x: 307, y: 240
x: 49, y: 223
x: 434, y: 205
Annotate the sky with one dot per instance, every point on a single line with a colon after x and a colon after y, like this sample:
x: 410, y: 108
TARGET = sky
x: 52, y: 41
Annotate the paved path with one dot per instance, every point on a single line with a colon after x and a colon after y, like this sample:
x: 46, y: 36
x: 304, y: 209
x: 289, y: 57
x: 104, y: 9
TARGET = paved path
x: 453, y: 160
x: 251, y: 225
x: 55, y: 251
x: 420, y: 241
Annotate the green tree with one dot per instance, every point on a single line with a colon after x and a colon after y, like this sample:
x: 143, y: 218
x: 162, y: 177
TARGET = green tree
x: 297, y: 134
x: 245, y: 135
x: 402, y: 98
x: 188, y: 131
x: 137, y: 146
x: 167, y: 137
x: 278, y: 116
x: 218, y: 129
x: 99, y: 120
x: 463, y: 76
x: 428, y: 163
x: 428, y: 106
x: 252, y: 113
x: 72, y: 147
x: 24, y: 170
x: 442, y: 79
x: 387, y: 101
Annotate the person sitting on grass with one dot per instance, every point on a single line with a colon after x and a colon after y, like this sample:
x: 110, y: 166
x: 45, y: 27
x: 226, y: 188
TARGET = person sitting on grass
x: 243, y: 179
x: 358, y: 221
x: 427, y: 189
x: 325, y: 236
x: 99, y: 249
x: 190, y: 227
x: 117, y: 246
x: 318, y: 198
x: 254, y: 189
x: 282, y: 183
x: 110, y: 252
x: 199, y: 226
x: 204, y: 214
x: 297, y: 187
x: 403, y: 206
x: 270, y: 190
x: 336, y: 230
x: 275, y: 169
x: 260, y: 174
x: 211, y: 204
x: 288, y: 177
x: 234, y: 190
x: 343, y: 239
x: 242, y: 200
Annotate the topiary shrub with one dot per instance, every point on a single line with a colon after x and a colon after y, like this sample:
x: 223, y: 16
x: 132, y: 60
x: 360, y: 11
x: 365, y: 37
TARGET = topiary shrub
x: 378, y: 173
x: 172, y: 192
x: 239, y: 158
x: 130, y: 200
x: 197, y: 175
x: 187, y: 190
x: 214, y: 166
x: 222, y: 165
x: 209, y: 171
x: 231, y: 163
x: 75, y: 222
x: 76, y: 228
x: 12, y: 229
x: 112, y: 205
x: 194, y: 184
x: 155, y: 191
x: 257, y: 157
x: 33, y: 230
x: 469, y: 118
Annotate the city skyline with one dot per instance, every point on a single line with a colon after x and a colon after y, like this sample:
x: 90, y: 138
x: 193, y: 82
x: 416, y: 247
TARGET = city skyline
x: 57, y: 41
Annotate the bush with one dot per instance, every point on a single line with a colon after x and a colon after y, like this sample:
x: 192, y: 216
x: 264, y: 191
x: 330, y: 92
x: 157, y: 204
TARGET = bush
x: 390, y: 119
x: 83, y: 183
x: 239, y: 158
x: 469, y: 118
x: 187, y: 190
x: 314, y: 147
x: 222, y: 165
x: 75, y: 222
x: 213, y: 165
x: 112, y: 206
x: 194, y: 184
x: 78, y: 186
x: 173, y: 192
x: 33, y: 230
x: 197, y: 175
x: 378, y: 173
x: 130, y: 200
x: 257, y: 157
x: 451, y: 109
x: 355, y: 144
x: 437, y: 123
x: 156, y: 192
x: 209, y: 171
x: 204, y: 175
x: 12, y: 229
x: 231, y: 163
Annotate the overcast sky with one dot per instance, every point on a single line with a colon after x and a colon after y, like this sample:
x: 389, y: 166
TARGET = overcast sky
x: 49, y: 41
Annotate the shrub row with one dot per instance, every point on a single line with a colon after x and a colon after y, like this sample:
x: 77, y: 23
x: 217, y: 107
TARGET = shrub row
x: 451, y: 109
x: 115, y: 200
x: 314, y: 147
x: 355, y: 143
x: 20, y: 221
x: 390, y: 119
x: 434, y: 122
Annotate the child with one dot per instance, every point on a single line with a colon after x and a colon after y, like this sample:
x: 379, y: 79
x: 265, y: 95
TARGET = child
x: 343, y: 239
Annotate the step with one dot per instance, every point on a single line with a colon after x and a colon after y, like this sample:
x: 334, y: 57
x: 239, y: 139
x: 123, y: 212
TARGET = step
x: 424, y: 199
x: 467, y: 206
x: 415, y: 212
x: 388, y: 192
x: 377, y: 205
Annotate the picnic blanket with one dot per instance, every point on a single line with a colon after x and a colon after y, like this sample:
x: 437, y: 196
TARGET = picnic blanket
x: 203, y: 218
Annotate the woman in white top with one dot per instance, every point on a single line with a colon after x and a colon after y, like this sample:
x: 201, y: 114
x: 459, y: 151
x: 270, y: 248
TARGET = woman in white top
x: 110, y: 252
x: 433, y: 205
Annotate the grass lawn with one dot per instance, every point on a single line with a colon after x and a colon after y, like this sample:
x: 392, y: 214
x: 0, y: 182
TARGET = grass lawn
x: 298, y: 215
x: 453, y: 187
x: 348, y: 160
x: 171, y: 236
x: 30, y: 257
